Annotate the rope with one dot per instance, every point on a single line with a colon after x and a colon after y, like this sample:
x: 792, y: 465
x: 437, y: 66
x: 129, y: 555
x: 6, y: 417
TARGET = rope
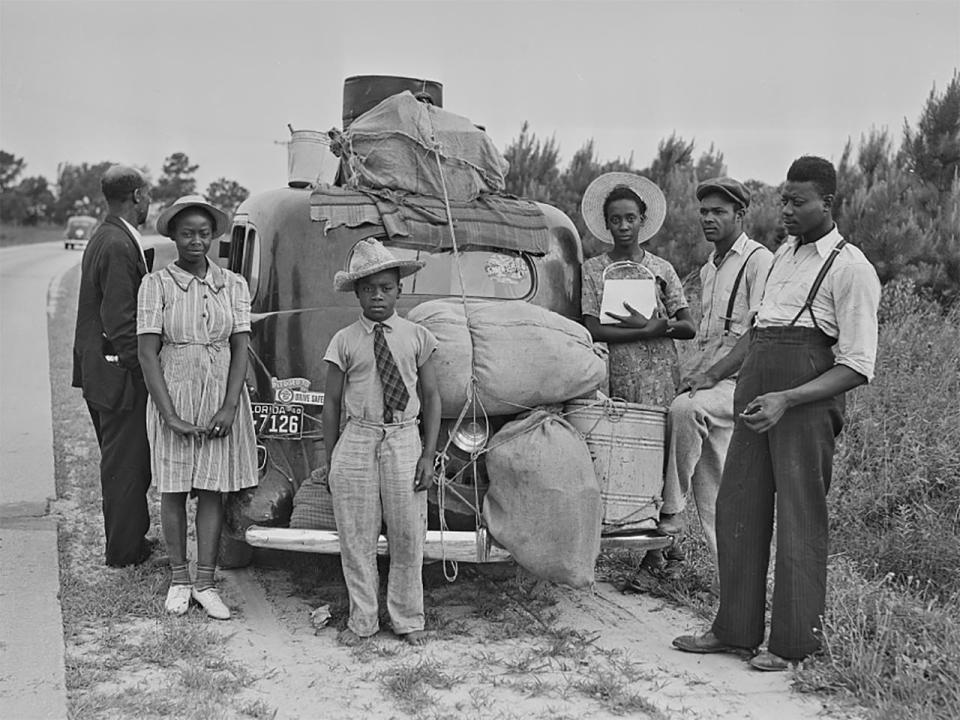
x: 473, y: 399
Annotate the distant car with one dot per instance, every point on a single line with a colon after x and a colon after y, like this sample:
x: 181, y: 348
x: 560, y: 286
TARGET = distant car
x: 79, y: 229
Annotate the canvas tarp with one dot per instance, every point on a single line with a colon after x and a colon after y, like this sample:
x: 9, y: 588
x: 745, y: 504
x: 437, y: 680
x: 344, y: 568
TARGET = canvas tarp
x: 396, y: 145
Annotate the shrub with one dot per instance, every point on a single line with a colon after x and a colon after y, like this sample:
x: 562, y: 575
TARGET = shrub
x: 896, y: 499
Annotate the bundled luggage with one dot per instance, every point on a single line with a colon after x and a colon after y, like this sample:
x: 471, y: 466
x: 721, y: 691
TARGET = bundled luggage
x: 521, y: 355
x: 543, y: 504
x: 395, y: 146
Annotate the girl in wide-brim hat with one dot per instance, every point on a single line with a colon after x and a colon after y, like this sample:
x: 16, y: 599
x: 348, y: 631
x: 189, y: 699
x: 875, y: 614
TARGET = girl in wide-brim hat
x: 626, y: 210
x: 193, y: 328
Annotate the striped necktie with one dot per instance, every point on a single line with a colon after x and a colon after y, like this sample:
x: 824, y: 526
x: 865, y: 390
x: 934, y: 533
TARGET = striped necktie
x: 395, y: 395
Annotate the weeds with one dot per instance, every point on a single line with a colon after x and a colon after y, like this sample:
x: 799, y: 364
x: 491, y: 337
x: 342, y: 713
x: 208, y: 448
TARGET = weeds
x: 896, y: 501
x: 608, y: 688
x: 259, y: 710
x: 888, y: 648
x: 409, y: 684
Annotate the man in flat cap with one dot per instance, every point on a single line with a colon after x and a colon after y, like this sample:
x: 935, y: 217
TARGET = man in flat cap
x: 105, y: 363
x: 701, y: 418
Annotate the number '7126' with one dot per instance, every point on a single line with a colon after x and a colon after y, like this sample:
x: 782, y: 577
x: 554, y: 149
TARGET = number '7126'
x: 276, y: 420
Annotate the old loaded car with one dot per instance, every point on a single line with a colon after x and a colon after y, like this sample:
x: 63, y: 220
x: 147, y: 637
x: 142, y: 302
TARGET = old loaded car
x: 289, y: 242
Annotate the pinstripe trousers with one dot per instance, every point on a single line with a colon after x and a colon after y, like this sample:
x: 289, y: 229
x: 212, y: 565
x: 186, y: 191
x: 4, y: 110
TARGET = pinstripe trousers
x: 371, y: 478
x: 785, y: 471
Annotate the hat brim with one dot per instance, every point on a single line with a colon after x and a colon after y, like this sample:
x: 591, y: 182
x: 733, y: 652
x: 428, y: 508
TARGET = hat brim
x: 591, y: 207
x: 344, y: 281
x: 220, y: 219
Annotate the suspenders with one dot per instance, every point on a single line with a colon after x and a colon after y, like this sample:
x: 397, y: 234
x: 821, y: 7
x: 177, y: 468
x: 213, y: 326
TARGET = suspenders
x: 728, y: 316
x: 815, y: 288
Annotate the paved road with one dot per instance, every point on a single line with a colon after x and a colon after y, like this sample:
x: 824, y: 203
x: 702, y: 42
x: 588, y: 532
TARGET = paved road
x: 31, y: 628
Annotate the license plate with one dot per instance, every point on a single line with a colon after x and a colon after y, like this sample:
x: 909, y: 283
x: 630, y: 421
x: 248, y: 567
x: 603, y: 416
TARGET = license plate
x: 278, y: 421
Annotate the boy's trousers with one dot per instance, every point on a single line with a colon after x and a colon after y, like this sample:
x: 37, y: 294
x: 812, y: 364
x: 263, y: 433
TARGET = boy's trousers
x: 787, y: 471
x: 699, y: 430
x: 371, y: 478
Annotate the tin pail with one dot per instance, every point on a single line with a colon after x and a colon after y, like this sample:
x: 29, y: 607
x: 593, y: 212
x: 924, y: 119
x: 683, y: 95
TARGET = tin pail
x: 308, y: 157
x: 626, y: 442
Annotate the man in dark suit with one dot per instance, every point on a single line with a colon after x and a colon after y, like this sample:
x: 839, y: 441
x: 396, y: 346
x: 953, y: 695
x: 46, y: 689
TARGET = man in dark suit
x: 105, y: 363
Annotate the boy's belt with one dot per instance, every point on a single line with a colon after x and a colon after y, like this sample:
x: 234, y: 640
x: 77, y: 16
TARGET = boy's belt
x: 371, y: 424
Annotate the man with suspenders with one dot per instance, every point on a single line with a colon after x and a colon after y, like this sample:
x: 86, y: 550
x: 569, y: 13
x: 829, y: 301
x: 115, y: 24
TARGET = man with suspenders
x: 700, y: 423
x: 814, y: 338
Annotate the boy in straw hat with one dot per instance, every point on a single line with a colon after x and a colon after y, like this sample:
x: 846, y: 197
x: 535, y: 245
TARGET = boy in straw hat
x: 380, y: 369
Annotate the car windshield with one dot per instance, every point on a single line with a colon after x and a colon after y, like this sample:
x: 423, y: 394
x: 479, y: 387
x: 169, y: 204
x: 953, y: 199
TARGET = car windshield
x: 486, y: 273
x: 80, y: 223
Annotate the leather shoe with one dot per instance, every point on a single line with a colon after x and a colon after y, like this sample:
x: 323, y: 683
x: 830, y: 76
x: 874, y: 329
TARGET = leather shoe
x: 152, y: 551
x: 768, y: 662
x: 148, y: 549
x: 707, y: 643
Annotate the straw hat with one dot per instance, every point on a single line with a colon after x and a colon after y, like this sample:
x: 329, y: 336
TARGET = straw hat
x: 370, y: 256
x: 220, y: 219
x: 591, y: 207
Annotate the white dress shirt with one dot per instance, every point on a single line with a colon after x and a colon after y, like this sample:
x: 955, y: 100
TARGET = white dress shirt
x: 845, y: 308
x: 139, y: 240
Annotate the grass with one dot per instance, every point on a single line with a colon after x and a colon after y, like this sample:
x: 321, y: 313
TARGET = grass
x: 887, y: 647
x: 17, y: 235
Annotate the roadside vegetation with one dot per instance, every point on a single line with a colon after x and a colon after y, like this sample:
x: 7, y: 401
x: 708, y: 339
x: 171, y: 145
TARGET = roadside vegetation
x: 23, y: 235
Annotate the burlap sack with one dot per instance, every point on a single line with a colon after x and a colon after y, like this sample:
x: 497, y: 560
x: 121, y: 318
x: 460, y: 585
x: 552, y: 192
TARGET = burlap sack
x: 313, y: 504
x: 543, y: 504
x: 522, y: 355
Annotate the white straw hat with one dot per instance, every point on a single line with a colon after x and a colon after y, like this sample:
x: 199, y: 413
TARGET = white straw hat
x: 370, y: 256
x: 591, y: 207
x: 220, y: 219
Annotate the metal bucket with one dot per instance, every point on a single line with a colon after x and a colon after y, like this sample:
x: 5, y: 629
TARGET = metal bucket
x: 309, y: 158
x: 627, y: 443
x: 364, y: 92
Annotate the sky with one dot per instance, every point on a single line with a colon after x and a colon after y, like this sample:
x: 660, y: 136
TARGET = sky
x: 763, y: 81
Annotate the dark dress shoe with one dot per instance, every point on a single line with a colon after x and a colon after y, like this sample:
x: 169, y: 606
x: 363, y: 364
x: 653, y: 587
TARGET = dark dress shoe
x: 147, y: 549
x: 708, y: 643
x: 768, y: 662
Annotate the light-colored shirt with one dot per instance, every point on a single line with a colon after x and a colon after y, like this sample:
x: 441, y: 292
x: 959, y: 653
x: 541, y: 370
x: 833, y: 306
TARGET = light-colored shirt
x: 351, y: 350
x: 139, y: 240
x: 187, y: 309
x: 845, y: 307
x: 716, y: 282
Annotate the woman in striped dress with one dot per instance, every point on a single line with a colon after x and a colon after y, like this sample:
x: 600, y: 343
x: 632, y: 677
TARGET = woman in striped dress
x: 193, y: 324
